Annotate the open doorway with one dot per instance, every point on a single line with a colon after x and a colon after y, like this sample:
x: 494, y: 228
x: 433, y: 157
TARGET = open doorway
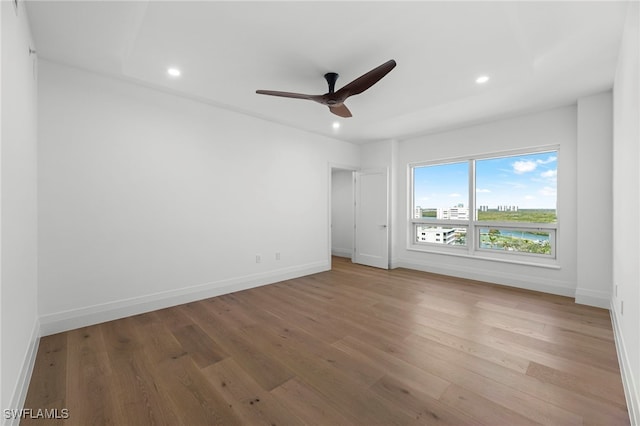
x: 342, y: 213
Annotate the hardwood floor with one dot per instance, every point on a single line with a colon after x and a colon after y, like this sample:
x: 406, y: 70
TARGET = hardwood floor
x: 355, y: 345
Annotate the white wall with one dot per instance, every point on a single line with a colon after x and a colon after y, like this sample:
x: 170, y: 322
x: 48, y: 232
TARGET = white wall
x: 342, y: 212
x: 148, y: 200
x: 626, y: 210
x: 18, y: 225
x: 594, y: 176
x: 557, y: 126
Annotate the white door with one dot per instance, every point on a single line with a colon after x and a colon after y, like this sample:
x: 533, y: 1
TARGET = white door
x: 372, y: 217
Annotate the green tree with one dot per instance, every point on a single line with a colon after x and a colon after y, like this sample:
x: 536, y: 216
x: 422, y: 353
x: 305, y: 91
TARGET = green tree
x: 493, y: 236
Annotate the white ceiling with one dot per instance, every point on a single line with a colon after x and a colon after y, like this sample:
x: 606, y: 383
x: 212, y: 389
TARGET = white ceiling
x: 538, y: 55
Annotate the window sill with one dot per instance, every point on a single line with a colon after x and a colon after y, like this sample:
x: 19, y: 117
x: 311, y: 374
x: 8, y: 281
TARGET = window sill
x: 547, y: 264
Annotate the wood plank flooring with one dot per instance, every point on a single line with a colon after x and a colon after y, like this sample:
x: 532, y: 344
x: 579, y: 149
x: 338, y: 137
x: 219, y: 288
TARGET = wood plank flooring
x: 355, y: 345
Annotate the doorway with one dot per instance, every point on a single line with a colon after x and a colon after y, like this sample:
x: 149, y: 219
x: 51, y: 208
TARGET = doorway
x: 342, y: 238
x: 359, y: 215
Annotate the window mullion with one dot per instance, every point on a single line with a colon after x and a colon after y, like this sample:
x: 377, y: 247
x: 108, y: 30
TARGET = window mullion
x: 471, y: 233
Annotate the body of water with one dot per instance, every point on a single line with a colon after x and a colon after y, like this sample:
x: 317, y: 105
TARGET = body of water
x: 518, y: 234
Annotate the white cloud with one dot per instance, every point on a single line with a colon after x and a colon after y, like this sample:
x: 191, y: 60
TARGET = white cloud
x: 520, y: 167
x: 454, y: 195
x: 516, y: 185
x: 548, y: 160
x: 529, y: 197
x: 549, y: 174
x: 482, y: 190
x: 548, y: 191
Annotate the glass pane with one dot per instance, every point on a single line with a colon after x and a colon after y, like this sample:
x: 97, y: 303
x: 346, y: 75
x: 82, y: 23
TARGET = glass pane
x: 516, y: 240
x: 441, y: 191
x: 521, y: 188
x: 440, y: 235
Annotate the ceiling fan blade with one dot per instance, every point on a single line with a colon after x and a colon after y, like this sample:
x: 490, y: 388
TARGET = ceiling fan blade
x: 340, y: 110
x: 335, y: 100
x: 365, y: 81
x: 285, y: 94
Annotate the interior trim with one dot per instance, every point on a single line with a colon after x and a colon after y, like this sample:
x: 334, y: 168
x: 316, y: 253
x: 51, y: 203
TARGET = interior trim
x: 24, y: 378
x: 82, y: 317
x: 630, y: 389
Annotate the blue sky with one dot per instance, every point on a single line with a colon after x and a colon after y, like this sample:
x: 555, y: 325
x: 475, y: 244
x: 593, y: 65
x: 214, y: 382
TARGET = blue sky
x: 527, y: 181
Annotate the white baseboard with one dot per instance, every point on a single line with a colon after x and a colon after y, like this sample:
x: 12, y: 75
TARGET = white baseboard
x: 537, y: 283
x: 341, y: 252
x: 24, y: 378
x: 82, y: 317
x: 628, y: 381
x: 599, y: 299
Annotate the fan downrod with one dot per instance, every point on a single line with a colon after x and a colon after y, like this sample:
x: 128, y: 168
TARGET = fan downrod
x: 331, y: 78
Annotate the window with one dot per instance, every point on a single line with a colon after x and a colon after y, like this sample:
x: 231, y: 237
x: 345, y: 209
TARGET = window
x: 442, y: 192
x: 499, y: 206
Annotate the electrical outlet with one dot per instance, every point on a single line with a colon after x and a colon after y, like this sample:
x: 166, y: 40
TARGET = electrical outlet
x: 258, y: 258
x: 277, y: 255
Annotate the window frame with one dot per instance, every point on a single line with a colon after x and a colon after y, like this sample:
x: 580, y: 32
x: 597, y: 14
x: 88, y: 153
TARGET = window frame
x: 472, y: 248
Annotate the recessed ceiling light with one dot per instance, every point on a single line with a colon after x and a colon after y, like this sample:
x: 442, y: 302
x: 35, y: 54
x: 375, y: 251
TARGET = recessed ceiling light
x: 336, y: 125
x: 173, y: 72
x: 482, y: 79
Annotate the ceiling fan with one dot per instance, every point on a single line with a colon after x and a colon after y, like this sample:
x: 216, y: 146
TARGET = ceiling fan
x: 335, y: 100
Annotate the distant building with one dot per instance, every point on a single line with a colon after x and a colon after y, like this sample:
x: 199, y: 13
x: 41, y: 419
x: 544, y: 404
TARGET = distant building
x: 418, y: 212
x: 436, y: 235
x: 454, y: 213
x: 484, y: 208
x: 507, y: 208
